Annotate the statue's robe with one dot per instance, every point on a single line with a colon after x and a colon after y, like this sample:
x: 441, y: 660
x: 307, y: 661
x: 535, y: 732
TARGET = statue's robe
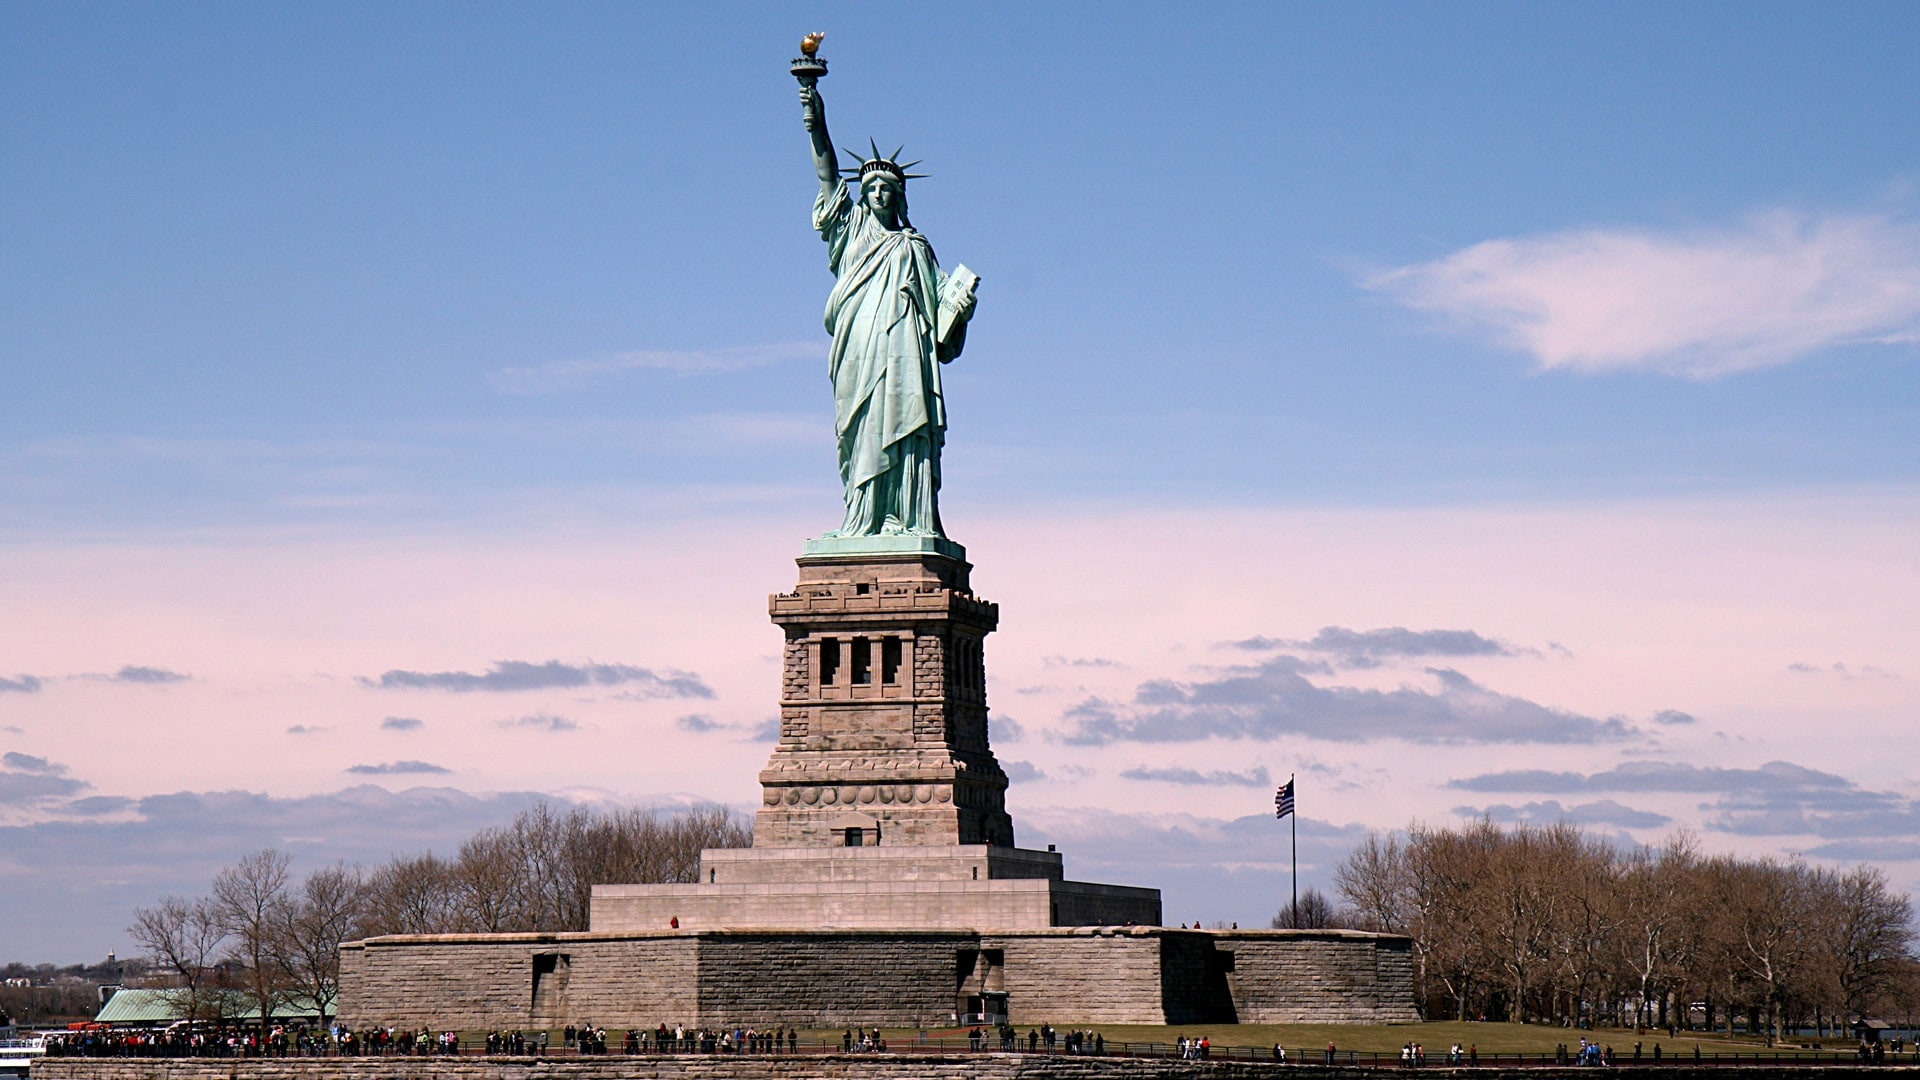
x: 885, y: 368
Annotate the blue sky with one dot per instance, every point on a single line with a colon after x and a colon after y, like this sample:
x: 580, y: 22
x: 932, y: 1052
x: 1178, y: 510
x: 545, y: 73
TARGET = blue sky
x: 322, y: 230
x: 481, y: 286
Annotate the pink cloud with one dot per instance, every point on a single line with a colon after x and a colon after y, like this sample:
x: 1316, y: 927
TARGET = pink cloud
x: 1699, y: 303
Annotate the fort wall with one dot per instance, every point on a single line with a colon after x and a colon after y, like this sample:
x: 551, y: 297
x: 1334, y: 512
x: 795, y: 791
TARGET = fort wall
x: 910, y: 978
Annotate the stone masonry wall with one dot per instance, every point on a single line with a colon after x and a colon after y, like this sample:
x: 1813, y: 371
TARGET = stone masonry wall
x: 633, y: 982
x: 891, y: 979
x: 1083, y: 977
x: 471, y: 982
x: 1303, y: 977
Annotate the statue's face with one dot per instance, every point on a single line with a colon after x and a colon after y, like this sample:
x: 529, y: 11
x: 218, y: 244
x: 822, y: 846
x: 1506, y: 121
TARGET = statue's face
x: 883, y: 199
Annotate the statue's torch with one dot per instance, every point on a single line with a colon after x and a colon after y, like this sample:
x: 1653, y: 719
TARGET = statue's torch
x: 810, y: 67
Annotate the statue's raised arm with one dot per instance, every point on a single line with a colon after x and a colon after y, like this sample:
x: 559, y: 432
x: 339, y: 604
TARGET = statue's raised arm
x: 813, y: 113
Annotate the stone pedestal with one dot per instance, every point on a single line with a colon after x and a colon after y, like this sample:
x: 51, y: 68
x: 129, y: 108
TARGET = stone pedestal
x: 882, y: 805
x: 883, y: 709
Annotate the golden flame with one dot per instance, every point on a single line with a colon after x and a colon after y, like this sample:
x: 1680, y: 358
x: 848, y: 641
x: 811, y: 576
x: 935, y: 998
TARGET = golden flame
x: 811, y: 43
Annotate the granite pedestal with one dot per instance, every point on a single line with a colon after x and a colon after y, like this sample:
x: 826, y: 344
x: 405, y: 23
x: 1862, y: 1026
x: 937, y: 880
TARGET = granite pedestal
x: 882, y: 803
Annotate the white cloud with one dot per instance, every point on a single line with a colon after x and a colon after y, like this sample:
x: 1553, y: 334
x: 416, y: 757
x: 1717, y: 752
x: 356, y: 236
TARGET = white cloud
x: 1700, y: 304
x: 560, y: 375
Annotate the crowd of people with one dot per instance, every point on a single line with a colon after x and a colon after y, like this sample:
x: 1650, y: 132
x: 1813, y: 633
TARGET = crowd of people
x: 681, y: 1039
x: 207, y: 1039
x: 198, y: 1039
x: 213, y: 1040
x: 1044, y: 1038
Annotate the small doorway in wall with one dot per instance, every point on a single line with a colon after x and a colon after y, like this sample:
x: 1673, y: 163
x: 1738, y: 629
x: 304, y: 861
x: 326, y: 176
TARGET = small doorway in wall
x: 980, y: 977
x: 856, y: 830
x: 550, y: 974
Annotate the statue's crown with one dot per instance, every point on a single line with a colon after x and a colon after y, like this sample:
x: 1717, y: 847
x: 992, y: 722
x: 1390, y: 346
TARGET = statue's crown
x: 879, y: 163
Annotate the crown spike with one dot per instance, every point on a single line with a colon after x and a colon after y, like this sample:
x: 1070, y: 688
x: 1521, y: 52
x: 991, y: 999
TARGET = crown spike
x: 895, y: 156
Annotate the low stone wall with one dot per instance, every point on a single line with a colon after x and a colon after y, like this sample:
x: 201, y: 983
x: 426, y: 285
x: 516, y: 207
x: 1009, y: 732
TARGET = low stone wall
x: 846, y: 1067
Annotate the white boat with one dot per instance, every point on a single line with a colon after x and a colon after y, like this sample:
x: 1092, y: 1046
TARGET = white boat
x: 17, y: 1054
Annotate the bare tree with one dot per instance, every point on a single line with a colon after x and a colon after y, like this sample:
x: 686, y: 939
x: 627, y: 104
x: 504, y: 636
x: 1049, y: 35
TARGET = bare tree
x: 645, y: 846
x: 410, y: 895
x: 313, y: 925
x: 183, y: 938
x: 489, y: 888
x: 1448, y: 873
x: 1313, y: 912
x: 538, y: 872
x: 1869, y: 934
x: 250, y: 898
x: 1653, y: 888
x: 1582, y: 936
x: 1548, y: 921
x: 1768, y: 911
x: 1373, y: 881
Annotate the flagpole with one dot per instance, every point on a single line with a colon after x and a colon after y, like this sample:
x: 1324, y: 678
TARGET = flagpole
x: 1293, y: 827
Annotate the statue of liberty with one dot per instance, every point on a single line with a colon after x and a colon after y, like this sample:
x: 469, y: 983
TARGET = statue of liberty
x: 895, y: 318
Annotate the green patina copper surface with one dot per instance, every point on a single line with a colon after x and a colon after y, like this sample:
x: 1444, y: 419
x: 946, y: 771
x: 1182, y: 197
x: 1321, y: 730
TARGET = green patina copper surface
x: 895, y: 317
x: 896, y: 544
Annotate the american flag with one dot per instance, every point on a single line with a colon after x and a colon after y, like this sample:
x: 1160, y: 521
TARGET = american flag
x: 1283, y: 800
